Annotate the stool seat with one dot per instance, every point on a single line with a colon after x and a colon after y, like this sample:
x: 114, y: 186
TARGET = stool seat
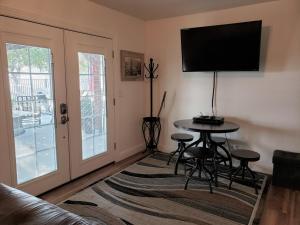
x: 219, y: 140
x: 181, y: 137
x: 246, y: 155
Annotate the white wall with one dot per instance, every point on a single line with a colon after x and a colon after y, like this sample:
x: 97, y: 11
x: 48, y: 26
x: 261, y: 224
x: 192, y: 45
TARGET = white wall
x: 127, y: 33
x: 266, y: 104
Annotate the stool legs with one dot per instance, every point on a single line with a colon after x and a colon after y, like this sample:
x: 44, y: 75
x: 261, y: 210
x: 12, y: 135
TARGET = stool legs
x: 199, y: 166
x: 181, y: 146
x: 243, y: 168
x: 193, y: 170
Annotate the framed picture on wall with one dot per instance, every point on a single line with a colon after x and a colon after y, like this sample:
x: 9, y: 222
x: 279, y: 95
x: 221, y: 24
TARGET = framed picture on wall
x: 132, y: 66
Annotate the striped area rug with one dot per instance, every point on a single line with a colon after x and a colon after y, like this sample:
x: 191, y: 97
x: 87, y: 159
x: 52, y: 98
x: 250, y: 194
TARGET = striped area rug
x: 148, y: 193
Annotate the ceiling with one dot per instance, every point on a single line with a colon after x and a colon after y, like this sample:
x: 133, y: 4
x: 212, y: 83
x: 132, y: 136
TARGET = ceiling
x: 157, y: 9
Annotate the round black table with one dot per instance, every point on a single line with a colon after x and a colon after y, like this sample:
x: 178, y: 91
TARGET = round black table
x: 226, y: 127
x: 205, y: 131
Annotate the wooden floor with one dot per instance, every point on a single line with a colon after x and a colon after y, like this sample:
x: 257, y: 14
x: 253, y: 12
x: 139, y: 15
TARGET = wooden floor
x: 63, y: 192
x: 282, y: 207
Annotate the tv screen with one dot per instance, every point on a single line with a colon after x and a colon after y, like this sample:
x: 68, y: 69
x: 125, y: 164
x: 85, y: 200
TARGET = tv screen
x: 230, y: 47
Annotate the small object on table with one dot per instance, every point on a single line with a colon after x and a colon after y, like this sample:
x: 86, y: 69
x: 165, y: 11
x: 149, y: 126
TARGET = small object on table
x: 286, y: 169
x: 199, y: 156
x: 181, y: 138
x: 215, y: 120
x: 245, y: 156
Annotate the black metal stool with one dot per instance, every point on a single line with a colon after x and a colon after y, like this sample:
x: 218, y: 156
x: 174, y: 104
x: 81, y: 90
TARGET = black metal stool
x: 181, y: 138
x: 220, y: 158
x: 195, y: 159
x: 245, y: 156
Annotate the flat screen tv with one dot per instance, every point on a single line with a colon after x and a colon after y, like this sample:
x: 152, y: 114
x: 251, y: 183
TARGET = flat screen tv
x: 230, y: 47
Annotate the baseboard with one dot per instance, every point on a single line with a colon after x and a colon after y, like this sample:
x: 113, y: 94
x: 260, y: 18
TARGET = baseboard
x: 123, y: 154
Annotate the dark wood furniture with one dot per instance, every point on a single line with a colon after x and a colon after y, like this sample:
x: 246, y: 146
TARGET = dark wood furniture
x: 181, y: 138
x: 240, y: 173
x: 205, y: 131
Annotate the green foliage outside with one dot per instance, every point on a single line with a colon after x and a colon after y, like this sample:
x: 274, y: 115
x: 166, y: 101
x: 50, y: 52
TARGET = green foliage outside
x: 26, y: 58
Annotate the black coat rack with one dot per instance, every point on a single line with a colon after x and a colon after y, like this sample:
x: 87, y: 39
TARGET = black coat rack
x: 151, y: 125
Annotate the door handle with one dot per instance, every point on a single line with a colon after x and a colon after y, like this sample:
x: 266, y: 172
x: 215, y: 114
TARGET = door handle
x: 64, y: 119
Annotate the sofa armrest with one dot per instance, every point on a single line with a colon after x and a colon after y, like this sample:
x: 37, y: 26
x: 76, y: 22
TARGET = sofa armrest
x: 20, y: 208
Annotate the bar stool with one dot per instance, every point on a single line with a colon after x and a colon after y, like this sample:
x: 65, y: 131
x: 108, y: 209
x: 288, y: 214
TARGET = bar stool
x: 199, y: 156
x: 245, y: 156
x: 181, y: 138
x: 220, y: 141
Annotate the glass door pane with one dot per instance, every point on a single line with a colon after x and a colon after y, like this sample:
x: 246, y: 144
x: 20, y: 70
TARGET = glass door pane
x: 92, y: 104
x: 31, y: 90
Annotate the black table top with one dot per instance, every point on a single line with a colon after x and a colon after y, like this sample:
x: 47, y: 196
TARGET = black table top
x: 226, y: 127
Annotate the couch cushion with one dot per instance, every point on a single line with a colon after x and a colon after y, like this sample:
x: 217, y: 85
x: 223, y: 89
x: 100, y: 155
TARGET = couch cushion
x: 19, y: 208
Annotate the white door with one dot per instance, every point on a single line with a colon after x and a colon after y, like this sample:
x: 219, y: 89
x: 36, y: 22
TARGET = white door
x: 90, y: 101
x: 33, y: 76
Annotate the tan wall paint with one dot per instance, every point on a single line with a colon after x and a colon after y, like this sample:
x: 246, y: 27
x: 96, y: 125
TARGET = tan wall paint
x: 266, y: 104
x: 127, y: 33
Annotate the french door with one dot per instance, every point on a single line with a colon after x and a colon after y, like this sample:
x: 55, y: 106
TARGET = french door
x: 33, y: 74
x: 57, y: 104
x: 90, y: 101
